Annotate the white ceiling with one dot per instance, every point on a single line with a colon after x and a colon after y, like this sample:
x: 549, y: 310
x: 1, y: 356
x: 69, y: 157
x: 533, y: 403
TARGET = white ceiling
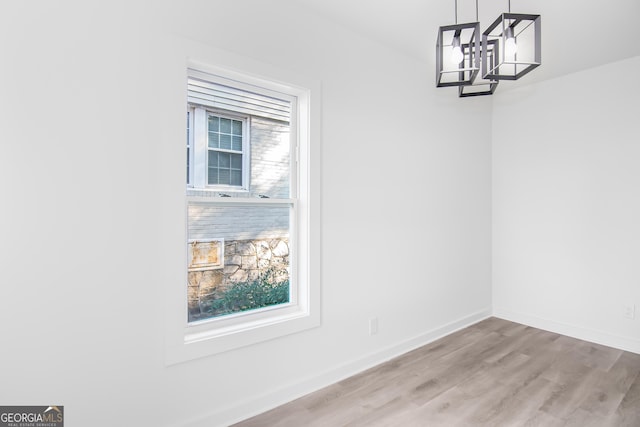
x: 576, y: 34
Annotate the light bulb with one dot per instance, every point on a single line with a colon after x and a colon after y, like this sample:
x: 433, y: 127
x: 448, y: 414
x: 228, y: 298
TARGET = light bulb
x: 456, y: 52
x: 456, y: 55
x: 510, y: 46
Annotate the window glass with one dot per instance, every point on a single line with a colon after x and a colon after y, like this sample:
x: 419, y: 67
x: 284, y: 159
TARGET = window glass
x: 225, y: 142
x: 237, y: 127
x: 225, y: 125
x: 254, y: 269
x: 213, y: 123
x: 239, y: 256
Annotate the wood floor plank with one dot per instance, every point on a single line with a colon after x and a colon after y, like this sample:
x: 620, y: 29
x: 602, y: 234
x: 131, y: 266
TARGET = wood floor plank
x: 596, y: 355
x: 385, y: 414
x: 628, y: 412
x: 494, y: 373
x: 584, y: 418
x: 577, y: 382
x: 513, y: 343
x: 539, y: 419
x: 624, y: 372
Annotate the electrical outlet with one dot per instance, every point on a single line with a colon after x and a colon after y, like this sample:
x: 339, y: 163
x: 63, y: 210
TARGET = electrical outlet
x: 629, y: 311
x: 373, y: 326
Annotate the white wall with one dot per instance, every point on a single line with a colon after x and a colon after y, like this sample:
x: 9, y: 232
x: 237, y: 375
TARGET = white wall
x: 566, y: 204
x: 92, y: 220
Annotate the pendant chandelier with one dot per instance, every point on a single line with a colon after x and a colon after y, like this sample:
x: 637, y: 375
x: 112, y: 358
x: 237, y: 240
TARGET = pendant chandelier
x: 507, y: 50
x: 454, y: 67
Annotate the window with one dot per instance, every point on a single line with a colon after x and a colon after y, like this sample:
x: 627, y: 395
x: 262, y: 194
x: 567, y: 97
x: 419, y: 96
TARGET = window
x: 248, y: 267
x: 221, y: 145
x: 225, y: 150
x: 252, y: 203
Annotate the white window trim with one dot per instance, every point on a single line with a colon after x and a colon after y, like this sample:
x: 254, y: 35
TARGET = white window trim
x: 190, y: 144
x: 186, y: 342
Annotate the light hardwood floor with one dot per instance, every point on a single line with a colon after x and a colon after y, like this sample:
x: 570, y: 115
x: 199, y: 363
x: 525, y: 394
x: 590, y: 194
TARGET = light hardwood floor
x: 494, y: 373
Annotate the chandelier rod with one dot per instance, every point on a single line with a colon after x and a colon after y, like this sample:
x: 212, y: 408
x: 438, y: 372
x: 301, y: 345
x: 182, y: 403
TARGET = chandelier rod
x: 456, y: 13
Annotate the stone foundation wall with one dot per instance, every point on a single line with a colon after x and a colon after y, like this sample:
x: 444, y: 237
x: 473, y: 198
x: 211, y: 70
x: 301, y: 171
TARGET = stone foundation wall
x: 244, y: 261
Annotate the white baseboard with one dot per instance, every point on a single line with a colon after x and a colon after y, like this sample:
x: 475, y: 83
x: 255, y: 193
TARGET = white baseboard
x: 586, y: 334
x: 261, y: 403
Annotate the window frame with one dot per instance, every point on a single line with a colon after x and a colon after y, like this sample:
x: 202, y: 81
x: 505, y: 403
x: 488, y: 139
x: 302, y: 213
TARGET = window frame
x: 187, y: 341
x: 244, y: 153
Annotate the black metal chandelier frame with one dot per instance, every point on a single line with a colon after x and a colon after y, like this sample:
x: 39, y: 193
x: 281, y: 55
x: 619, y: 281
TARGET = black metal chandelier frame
x: 478, y: 62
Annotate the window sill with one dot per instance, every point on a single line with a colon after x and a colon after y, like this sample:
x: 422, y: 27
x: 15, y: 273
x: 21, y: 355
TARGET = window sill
x: 218, y: 340
x: 215, y: 192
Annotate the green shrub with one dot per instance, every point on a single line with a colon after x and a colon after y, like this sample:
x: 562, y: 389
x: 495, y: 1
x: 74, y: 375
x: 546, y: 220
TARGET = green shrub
x: 250, y: 295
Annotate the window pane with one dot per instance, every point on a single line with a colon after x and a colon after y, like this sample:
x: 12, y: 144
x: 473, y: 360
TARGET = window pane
x: 213, y: 158
x: 224, y: 168
x: 254, y: 271
x: 236, y: 143
x: 212, y: 172
x: 237, y: 127
x: 213, y: 123
x: 236, y: 161
x: 224, y: 160
x: 236, y: 177
x: 224, y: 177
x: 212, y: 176
x: 270, y: 150
x: 225, y: 142
x: 213, y: 140
x: 225, y: 125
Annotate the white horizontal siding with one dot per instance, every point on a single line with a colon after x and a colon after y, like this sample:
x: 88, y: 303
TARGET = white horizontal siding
x: 201, y: 90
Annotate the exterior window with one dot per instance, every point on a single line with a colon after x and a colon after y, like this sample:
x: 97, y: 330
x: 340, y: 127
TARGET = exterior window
x: 248, y: 257
x: 224, y: 144
x: 217, y: 149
